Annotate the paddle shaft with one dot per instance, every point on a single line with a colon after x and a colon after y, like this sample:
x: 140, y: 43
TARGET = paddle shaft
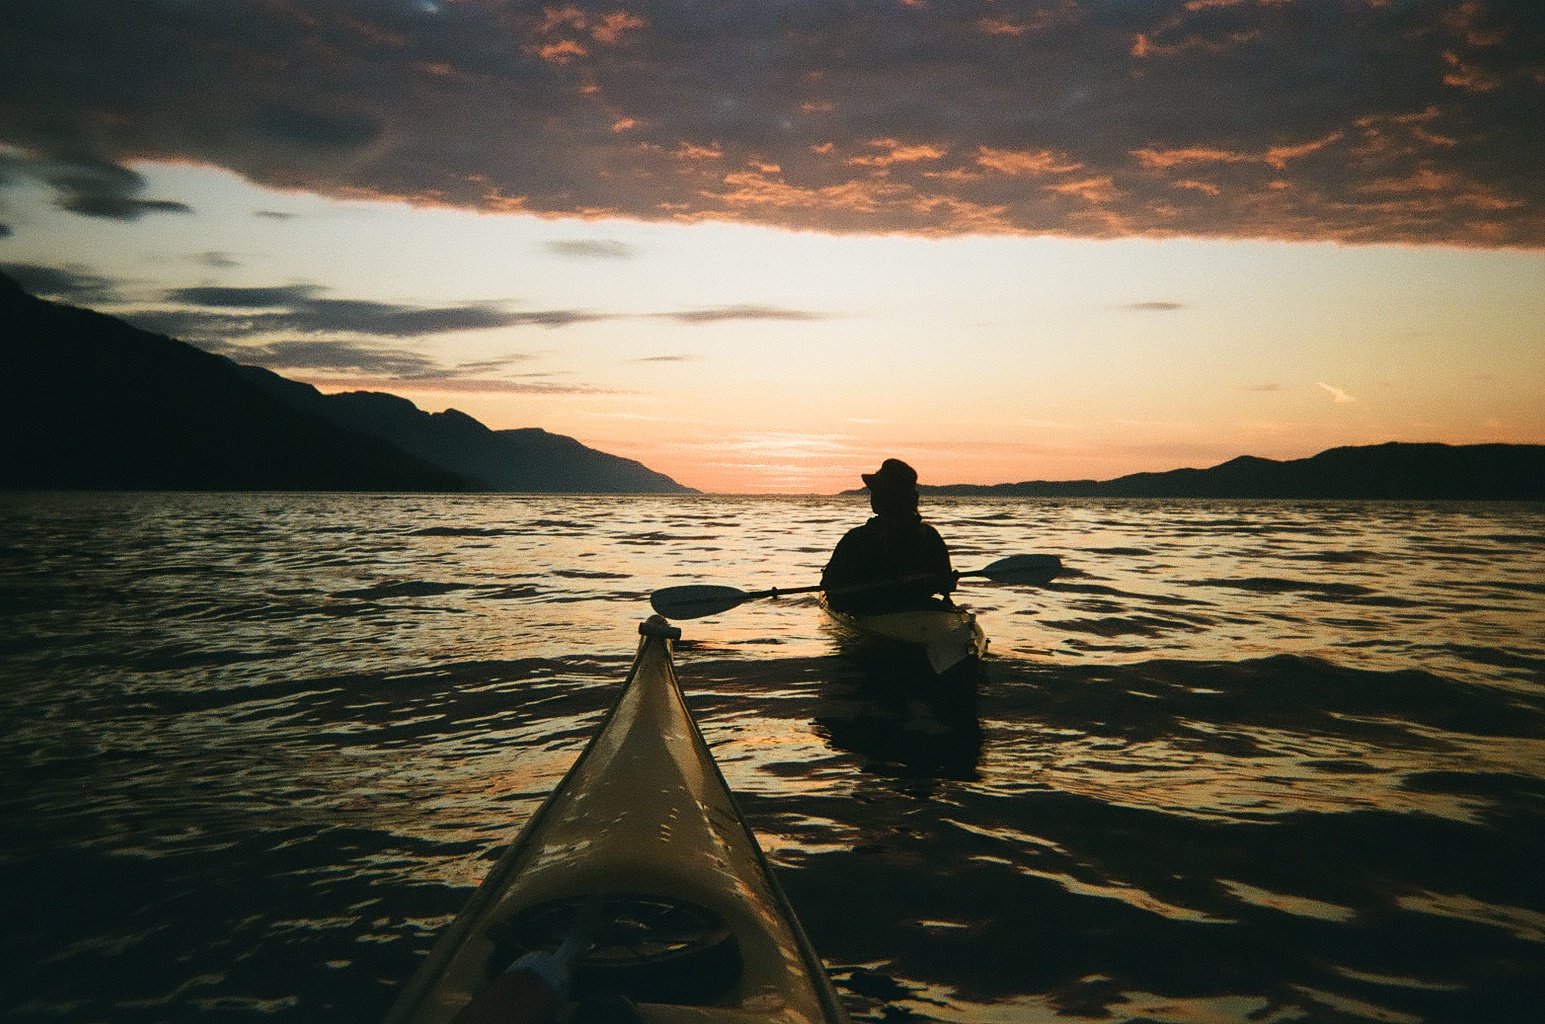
x: 690, y: 602
x: 858, y: 588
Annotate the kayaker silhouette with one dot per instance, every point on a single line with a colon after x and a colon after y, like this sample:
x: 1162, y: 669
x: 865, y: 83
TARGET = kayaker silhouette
x: 894, y: 561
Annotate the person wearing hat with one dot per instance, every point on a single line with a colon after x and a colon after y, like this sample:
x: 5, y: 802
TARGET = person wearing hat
x: 895, y: 560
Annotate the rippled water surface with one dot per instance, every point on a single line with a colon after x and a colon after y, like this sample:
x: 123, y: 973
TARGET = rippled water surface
x: 1243, y: 762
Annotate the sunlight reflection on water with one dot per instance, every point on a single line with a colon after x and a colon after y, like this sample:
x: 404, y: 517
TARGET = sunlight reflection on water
x: 1243, y: 758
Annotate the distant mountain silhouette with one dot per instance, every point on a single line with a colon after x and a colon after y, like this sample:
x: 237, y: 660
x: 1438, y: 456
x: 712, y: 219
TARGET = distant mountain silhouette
x: 88, y: 401
x: 530, y: 459
x: 1481, y: 472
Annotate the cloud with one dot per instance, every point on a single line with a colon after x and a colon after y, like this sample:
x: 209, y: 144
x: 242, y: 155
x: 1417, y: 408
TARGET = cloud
x: 451, y: 383
x: 455, y: 384
x: 1154, y: 307
x: 485, y: 365
x: 388, y: 319
x: 720, y: 314
x: 317, y: 129
x: 333, y: 355
x: 342, y: 343
x: 217, y: 260
x: 353, y: 364
x: 287, y: 296
x: 305, y: 309
x: 1337, y: 396
x: 67, y: 284
x: 89, y: 186
x: 1208, y: 119
x: 216, y: 313
x: 593, y: 249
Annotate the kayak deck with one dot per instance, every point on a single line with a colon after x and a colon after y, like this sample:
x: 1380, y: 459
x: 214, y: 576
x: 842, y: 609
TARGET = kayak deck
x: 946, y: 634
x: 645, y: 825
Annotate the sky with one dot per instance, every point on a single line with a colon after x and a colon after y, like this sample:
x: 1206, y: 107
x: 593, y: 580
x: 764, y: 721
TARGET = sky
x: 762, y: 246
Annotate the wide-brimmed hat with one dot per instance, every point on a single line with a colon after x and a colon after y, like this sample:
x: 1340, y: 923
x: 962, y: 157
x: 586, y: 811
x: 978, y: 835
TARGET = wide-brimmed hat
x: 892, y: 476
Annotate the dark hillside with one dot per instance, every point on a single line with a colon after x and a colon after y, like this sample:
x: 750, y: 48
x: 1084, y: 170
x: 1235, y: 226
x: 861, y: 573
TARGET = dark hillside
x: 89, y: 402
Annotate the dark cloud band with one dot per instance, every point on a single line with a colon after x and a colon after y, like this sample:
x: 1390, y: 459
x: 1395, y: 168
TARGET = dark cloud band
x: 89, y: 186
x: 304, y: 309
x: 1351, y: 120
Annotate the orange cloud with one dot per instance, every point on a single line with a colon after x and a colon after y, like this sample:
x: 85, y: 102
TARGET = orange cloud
x: 895, y: 152
x: 1205, y: 187
x: 1147, y: 44
x: 1386, y: 137
x: 1166, y: 158
x: 1278, y: 156
x: 1097, y: 190
x: 1274, y: 156
x: 555, y: 18
x: 1453, y: 187
x: 611, y: 27
x: 1023, y: 162
x: 1001, y: 27
x: 1468, y: 77
x: 1030, y: 22
x: 608, y: 30
x: 754, y: 189
x: 689, y: 151
x: 561, y: 52
x: 855, y: 204
x: 1465, y: 21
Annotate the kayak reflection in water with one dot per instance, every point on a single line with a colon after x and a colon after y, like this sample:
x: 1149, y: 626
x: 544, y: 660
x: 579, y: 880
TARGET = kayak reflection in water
x: 893, y: 562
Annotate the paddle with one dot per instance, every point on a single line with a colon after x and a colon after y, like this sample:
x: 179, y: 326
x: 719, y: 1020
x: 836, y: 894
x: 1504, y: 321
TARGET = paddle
x: 696, y: 600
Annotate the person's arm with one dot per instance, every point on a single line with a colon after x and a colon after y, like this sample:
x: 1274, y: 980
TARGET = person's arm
x: 939, y: 560
x: 841, y: 569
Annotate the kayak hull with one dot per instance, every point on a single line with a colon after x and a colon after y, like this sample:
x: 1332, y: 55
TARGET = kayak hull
x: 644, y: 813
x: 947, y: 635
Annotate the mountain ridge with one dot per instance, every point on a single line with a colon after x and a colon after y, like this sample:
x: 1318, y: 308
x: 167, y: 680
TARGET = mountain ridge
x: 524, y: 459
x: 1393, y: 470
x: 90, y: 402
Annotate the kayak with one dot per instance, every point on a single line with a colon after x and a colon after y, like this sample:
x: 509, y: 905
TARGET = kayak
x: 945, y: 633
x: 642, y: 849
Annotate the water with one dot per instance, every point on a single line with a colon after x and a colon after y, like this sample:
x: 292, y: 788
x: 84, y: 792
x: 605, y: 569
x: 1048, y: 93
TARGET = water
x: 1246, y: 762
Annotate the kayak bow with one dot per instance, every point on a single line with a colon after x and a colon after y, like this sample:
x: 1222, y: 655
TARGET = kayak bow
x: 693, y: 926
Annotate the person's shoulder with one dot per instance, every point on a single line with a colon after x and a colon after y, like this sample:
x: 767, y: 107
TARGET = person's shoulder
x: 933, y: 538
x: 856, y: 534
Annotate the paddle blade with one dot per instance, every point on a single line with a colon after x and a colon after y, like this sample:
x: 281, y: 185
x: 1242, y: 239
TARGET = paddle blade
x: 695, y: 601
x: 1023, y: 570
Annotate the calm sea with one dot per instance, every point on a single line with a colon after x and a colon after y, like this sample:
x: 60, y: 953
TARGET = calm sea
x: 1257, y: 762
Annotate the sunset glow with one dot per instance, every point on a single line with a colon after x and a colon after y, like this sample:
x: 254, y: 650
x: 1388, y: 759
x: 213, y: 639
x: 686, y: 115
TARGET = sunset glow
x: 761, y: 249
